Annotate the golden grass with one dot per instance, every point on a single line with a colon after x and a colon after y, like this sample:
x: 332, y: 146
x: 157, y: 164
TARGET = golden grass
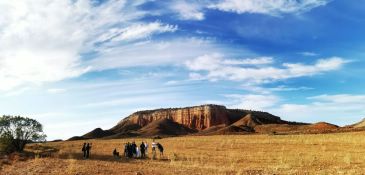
x: 340, y: 153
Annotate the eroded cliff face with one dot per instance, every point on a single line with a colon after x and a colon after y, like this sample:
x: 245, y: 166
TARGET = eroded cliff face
x: 198, y: 117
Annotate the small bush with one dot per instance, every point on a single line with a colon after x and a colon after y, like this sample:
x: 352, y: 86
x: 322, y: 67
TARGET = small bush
x: 6, y: 144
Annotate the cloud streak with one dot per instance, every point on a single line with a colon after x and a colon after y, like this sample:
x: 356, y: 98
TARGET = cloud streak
x: 268, y: 7
x: 214, y: 67
x: 136, y: 32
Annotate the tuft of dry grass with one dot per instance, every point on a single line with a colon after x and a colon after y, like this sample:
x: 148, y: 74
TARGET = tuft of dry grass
x: 339, y: 153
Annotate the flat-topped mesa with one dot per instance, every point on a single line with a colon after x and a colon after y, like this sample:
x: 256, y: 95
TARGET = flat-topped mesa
x: 204, y: 120
x: 197, y: 117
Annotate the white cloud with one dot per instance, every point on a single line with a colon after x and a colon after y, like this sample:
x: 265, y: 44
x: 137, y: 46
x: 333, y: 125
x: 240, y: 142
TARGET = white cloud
x: 250, y: 61
x: 215, y: 67
x: 286, y: 88
x: 340, y: 98
x: 152, y: 53
x: 268, y: 7
x: 194, y: 10
x: 255, y: 88
x: 341, y: 108
x: 216, y: 61
x: 188, y: 10
x: 253, y: 101
x: 56, y: 90
x: 136, y: 31
x: 321, y: 65
x: 309, y: 54
x: 45, y: 41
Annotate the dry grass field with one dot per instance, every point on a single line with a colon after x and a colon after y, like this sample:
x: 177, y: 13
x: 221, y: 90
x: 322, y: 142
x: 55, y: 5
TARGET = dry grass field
x: 340, y: 153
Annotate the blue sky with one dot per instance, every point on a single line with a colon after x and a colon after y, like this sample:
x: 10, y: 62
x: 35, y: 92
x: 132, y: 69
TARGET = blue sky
x: 78, y: 65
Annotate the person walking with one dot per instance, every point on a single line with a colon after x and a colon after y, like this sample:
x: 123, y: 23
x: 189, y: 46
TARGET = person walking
x: 134, y: 149
x: 126, y: 150
x: 88, y: 148
x: 146, y: 148
x: 116, y: 154
x: 154, y: 146
x: 84, y: 150
x: 130, y: 150
x: 160, y: 148
x: 142, y: 148
x: 138, y: 152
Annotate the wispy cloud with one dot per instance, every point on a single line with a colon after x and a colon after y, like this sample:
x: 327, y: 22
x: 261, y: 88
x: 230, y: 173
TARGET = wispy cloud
x: 152, y: 53
x: 268, y: 7
x: 286, y: 88
x: 215, y: 67
x: 259, y: 89
x: 56, y: 90
x: 309, y: 54
x: 136, y: 31
x: 252, y: 101
x: 188, y: 10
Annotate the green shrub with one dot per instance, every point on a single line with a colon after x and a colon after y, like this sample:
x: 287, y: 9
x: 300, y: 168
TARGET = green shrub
x: 17, y: 131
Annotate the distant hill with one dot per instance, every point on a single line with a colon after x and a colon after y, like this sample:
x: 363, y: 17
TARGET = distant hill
x: 98, y: 133
x: 201, y: 120
x: 360, y: 124
x: 165, y: 126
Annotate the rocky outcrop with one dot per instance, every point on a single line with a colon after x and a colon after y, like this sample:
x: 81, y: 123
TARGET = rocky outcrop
x: 202, y: 118
x: 197, y: 118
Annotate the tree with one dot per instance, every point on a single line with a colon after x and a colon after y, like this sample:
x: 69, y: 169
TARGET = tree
x: 17, y: 131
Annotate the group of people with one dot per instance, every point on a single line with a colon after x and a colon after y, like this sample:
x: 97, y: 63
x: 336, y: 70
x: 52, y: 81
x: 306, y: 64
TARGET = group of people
x: 131, y: 150
x: 86, y: 150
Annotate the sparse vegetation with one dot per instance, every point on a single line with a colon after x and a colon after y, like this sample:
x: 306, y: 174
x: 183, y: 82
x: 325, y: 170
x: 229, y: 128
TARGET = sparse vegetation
x: 337, y: 153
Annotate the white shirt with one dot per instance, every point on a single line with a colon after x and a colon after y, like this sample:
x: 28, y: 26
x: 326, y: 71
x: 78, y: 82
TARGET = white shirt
x: 138, y: 152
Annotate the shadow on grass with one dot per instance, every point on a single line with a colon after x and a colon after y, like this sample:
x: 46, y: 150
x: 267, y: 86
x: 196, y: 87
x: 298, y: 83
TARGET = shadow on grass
x: 103, y: 157
x: 42, y: 151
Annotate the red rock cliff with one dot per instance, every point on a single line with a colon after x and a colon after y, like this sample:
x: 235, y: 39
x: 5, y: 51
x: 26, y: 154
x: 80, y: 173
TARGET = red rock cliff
x: 198, y: 117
